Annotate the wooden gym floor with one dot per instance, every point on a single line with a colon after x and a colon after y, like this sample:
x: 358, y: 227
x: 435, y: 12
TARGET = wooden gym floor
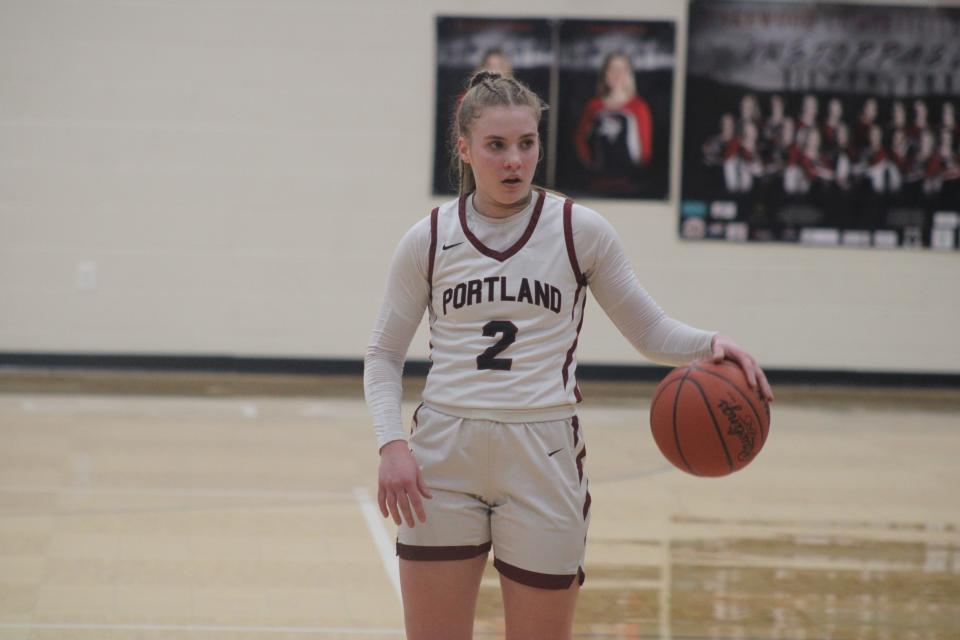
x: 214, y: 507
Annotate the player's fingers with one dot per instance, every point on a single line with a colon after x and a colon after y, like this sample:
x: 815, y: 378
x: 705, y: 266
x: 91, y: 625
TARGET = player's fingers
x: 750, y: 370
x: 748, y: 365
x: 422, y: 486
x: 404, y: 501
x: 382, y: 501
x: 392, y: 505
x: 718, y: 353
x: 764, y: 385
x: 418, y: 506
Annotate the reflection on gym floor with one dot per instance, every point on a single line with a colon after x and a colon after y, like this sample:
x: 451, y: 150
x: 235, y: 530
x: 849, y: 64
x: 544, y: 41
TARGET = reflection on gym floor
x: 240, y: 515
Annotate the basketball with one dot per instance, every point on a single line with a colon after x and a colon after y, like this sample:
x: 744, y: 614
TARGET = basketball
x: 706, y: 419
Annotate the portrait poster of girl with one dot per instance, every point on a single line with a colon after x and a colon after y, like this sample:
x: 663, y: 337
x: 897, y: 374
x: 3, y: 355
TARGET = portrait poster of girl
x: 614, y: 108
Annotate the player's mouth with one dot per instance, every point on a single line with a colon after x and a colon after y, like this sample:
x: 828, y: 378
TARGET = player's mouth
x: 512, y: 181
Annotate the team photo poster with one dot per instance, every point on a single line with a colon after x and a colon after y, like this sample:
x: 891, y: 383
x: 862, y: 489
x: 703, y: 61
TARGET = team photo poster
x: 823, y: 124
x: 609, y: 86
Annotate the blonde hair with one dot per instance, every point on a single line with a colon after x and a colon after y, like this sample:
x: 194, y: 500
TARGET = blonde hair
x: 486, y: 89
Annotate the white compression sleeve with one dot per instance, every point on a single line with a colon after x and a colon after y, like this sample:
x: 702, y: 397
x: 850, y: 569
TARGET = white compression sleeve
x: 613, y: 283
x: 403, y: 305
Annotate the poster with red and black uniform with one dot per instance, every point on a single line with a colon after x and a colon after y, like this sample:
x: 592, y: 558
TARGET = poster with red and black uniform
x: 520, y: 47
x: 614, y: 108
x: 824, y: 124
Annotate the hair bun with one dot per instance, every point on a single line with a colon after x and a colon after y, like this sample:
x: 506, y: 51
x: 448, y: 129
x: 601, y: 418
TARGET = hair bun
x: 481, y: 76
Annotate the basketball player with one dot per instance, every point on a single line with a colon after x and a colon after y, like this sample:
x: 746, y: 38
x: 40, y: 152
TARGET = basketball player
x: 841, y: 159
x: 773, y: 127
x: 828, y: 132
x: 495, y: 457
x: 742, y: 163
x: 715, y: 148
x: 865, y: 122
x: 882, y: 173
x: 614, y: 138
x: 807, y: 168
x: 807, y: 121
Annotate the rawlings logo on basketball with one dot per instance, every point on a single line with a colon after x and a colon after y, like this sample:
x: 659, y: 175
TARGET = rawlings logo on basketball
x: 707, y: 420
x: 740, y: 426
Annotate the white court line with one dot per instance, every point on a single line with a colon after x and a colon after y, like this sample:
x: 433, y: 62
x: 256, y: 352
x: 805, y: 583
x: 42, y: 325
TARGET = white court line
x: 178, y: 493
x: 380, y: 536
x: 202, y: 628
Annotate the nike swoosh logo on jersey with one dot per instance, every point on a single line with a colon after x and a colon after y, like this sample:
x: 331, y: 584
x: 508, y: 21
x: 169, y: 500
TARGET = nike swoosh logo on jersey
x: 451, y: 246
x: 550, y: 455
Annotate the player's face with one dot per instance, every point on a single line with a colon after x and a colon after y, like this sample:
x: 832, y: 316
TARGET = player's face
x: 727, y: 126
x: 498, y: 63
x: 776, y: 107
x: 899, y: 115
x: 502, y: 151
x: 836, y: 109
x: 618, y: 74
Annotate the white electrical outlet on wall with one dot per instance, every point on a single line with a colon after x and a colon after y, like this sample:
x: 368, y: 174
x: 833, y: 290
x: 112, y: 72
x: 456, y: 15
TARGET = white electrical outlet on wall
x: 86, y: 275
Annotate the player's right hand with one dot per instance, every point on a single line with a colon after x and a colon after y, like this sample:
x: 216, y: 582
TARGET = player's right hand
x: 401, y: 484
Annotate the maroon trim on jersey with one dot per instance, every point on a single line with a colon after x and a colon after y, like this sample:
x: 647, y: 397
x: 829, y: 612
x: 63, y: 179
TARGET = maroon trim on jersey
x: 412, y: 552
x: 572, y: 252
x: 576, y: 431
x: 571, y: 249
x: 538, y: 580
x: 433, y: 251
x: 573, y: 349
x: 501, y: 255
x: 581, y: 283
x: 416, y: 423
x: 586, y: 505
x: 580, y: 457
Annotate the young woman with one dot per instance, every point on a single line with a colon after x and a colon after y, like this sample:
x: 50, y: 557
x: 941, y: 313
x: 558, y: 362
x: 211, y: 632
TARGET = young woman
x: 495, y: 457
x: 614, y: 137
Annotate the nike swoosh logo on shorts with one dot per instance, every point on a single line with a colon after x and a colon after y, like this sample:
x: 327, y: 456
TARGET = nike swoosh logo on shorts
x: 550, y: 455
x: 451, y: 246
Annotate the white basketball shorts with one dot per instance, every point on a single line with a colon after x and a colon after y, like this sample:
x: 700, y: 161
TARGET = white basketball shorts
x: 519, y: 488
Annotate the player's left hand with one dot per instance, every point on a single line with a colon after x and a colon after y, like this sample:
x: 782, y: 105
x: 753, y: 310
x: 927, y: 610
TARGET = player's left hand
x: 725, y: 348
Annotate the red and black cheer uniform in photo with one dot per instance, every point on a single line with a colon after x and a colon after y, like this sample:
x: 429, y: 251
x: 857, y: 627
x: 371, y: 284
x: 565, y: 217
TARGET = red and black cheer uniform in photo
x: 614, y: 143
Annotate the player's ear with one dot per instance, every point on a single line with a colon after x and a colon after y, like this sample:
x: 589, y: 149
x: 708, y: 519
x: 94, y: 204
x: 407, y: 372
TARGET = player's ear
x: 463, y: 150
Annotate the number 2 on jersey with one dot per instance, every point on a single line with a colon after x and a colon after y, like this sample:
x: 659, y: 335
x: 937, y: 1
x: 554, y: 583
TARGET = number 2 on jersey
x: 488, y: 359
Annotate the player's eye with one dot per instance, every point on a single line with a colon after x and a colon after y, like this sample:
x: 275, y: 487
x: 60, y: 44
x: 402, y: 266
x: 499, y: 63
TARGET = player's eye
x: 527, y: 143
x: 496, y: 145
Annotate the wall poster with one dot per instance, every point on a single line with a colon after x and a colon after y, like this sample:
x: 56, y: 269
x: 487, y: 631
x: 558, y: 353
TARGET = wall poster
x: 823, y: 124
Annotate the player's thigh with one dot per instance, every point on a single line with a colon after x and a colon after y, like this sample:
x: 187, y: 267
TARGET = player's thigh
x: 450, y: 451
x: 534, y: 614
x: 539, y: 529
x: 440, y: 597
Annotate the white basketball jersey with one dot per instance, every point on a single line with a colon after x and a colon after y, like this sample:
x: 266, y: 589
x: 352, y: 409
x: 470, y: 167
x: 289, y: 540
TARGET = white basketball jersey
x: 504, y: 324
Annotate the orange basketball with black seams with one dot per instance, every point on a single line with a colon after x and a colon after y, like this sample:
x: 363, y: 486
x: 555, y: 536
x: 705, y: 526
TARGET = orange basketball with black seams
x: 706, y: 419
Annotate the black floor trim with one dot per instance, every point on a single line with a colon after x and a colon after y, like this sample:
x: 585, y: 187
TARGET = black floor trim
x: 347, y: 366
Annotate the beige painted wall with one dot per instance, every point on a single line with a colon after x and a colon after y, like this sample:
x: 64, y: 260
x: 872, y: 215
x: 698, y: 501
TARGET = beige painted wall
x: 231, y: 176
